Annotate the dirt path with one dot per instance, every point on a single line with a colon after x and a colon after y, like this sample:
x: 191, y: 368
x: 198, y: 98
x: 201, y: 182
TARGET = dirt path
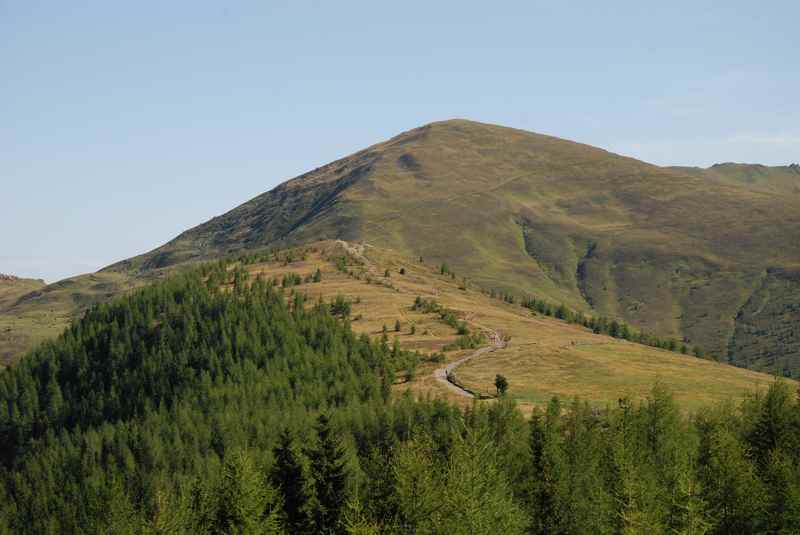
x: 357, y: 251
x: 440, y: 374
x: 443, y: 374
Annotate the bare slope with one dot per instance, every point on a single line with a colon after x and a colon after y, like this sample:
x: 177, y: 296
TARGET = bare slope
x: 666, y: 249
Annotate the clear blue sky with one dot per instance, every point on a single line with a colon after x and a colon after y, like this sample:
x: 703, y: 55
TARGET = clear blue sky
x: 124, y: 123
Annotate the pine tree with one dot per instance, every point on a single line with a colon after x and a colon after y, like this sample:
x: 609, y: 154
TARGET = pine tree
x: 329, y: 470
x: 478, y: 499
x: 732, y: 489
x: 355, y: 520
x: 380, y: 496
x: 783, y: 482
x: 689, y: 511
x: 546, y: 470
x: 501, y: 384
x: 170, y: 517
x: 120, y: 513
x: 288, y: 477
x: 418, y: 494
x: 775, y: 421
x: 244, y: 504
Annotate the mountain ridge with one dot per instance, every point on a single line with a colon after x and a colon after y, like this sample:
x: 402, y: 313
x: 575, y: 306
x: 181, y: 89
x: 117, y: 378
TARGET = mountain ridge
x: 670, y: 251
x: 774, y: 179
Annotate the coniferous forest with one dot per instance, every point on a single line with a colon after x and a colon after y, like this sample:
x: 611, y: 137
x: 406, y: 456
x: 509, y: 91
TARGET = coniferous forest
x: 211, y: 403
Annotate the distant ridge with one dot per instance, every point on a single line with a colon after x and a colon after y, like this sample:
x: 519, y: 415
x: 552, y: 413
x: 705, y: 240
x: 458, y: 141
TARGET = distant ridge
x: 776, y: 179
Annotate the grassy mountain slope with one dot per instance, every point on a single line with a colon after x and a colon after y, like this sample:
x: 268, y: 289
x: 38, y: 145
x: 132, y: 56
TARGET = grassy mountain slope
x: 544, y: 356
x: 775, y: 179
x: 12, y: 339
x: 31, y: 311
x: 668, y: 250
x: 12, y: 288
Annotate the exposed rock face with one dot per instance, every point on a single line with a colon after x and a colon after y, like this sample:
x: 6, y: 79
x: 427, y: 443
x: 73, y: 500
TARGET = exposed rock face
x: 4, y: 277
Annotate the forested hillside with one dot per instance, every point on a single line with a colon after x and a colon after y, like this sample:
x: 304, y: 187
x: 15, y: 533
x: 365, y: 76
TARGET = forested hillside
x: 221, y: 402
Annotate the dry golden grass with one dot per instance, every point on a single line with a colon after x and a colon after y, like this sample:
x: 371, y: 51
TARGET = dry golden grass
x: 545, y: 356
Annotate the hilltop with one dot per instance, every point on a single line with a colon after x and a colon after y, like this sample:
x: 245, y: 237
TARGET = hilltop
x: 711, y: 262
x: 667, y: 250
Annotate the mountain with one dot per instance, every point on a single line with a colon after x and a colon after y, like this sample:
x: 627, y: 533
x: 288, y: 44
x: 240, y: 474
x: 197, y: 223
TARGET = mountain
x: 667, y: 250
x: 714, y: 262
x: 775, y: 179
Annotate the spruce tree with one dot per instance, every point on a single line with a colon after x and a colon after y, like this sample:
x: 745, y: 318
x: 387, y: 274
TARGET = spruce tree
x: 775, y: 421
x: 328, y: 467
x: 478, y: 499
x: 288, y: 477
x: 545, y: 470
x: 501, y: 384
x: 243, y: 503
x: 783, y: 482
x: 732, y: 489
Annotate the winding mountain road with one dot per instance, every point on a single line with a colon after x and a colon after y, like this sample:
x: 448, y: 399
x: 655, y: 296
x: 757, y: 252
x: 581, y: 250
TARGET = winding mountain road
x: 443, y: 374
x: 440, y: 374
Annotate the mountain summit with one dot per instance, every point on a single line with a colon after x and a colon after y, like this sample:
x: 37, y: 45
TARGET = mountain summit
x: 677, y: 252
x: 667, y: 249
